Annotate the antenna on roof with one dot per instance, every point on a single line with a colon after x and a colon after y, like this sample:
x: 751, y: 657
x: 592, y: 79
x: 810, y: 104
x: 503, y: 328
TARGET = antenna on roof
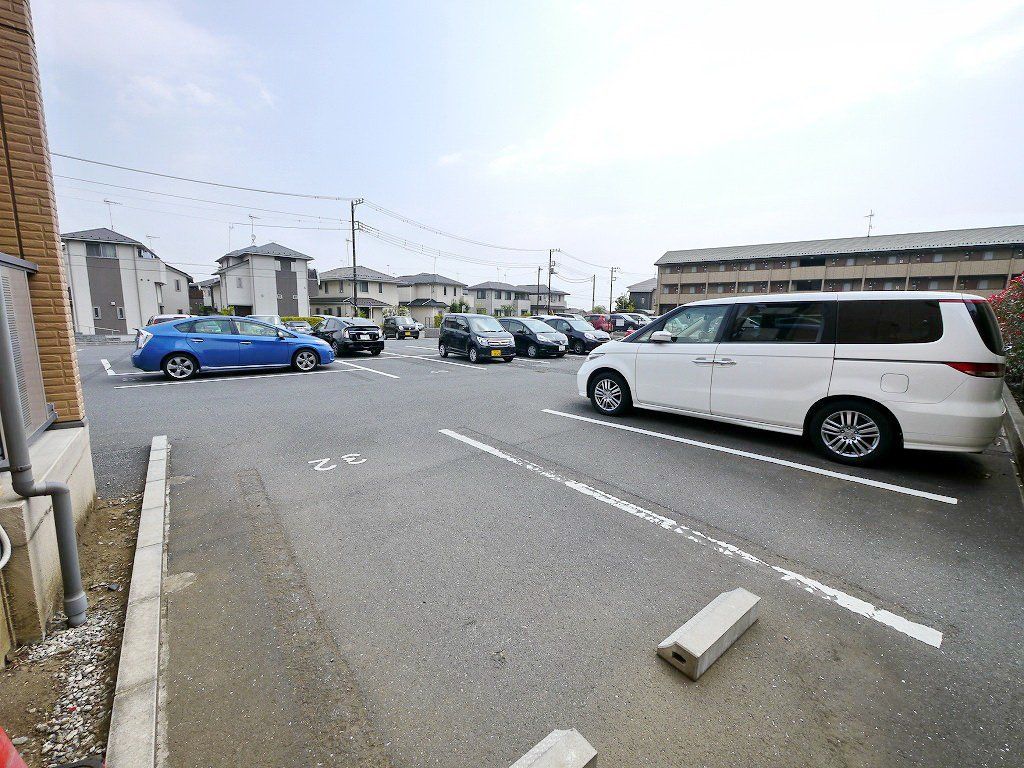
x: 870, y: 217
x: 151, y: 238
x: 252, y: 227
x: 110, y: 211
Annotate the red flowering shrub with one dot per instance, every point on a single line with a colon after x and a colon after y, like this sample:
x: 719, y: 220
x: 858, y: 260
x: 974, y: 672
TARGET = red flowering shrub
x: 1009, y: 307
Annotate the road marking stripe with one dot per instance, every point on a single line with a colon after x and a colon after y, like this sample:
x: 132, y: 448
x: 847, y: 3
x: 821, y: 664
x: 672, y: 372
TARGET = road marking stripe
x: 414, y: 346
x: 438, y: 359
x: 371, y: 370
x: 922, y: 632
x: 768, y: 459
x: 234, y: 378
x: 106, y: 367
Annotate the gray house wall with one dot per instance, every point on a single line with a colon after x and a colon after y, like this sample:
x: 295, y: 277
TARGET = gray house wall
x: 107, y: 293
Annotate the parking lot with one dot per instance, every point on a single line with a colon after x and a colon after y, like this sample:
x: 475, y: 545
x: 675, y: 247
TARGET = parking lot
x: 418, y: 560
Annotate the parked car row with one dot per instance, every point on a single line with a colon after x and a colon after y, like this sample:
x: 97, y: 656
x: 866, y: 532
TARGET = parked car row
x: 481, y: 337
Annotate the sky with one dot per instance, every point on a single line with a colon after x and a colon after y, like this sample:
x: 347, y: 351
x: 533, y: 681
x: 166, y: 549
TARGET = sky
x: 611, y: 131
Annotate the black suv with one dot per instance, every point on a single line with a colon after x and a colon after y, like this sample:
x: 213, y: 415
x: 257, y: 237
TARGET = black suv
x: 535, y: 338
x: 350, y: 334
x: 479, y: 337
x: 583, y: 337
x: 400, y: 327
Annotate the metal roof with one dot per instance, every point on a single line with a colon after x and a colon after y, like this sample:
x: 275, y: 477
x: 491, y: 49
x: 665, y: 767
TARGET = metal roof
x: 645, y: 287
x: 267, y: 249
x: 210, y: 282
x: 914, y: 241
x: 362, y: 273
x: 360, y: 302
x: 423, y: 303
x: 101, y: 235
x: 496, y: 286
x: 426, y: 278
x: 532, y: 289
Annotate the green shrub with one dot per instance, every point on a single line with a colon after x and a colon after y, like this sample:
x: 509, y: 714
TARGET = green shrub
x: 310, y: 320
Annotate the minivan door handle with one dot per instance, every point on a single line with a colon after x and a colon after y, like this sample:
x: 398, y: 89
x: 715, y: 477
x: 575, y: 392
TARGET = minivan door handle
x: 725, y: 361
x: 702, y: 361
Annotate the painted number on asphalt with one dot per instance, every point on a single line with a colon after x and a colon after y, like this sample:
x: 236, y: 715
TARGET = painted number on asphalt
x: 324, y: 465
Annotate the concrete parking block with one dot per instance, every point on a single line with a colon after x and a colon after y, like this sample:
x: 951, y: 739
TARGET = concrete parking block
x: 699, y: 642
x: 560, y: 749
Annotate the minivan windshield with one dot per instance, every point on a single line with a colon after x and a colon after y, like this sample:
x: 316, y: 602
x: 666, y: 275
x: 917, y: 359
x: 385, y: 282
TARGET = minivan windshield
x: 537, y: 326
x: 485, y: 324
x: 581, y: 325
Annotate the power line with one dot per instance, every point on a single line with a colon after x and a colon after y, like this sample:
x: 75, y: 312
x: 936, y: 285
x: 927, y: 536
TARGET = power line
x: 202, y: 181
x: 414, y: 247
x: 427, y: 227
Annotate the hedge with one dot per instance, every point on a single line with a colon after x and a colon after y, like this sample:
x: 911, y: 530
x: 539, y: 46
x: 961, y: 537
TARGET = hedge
x: 1009, y: 308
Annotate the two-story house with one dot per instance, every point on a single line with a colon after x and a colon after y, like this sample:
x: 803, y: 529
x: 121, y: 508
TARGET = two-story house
x: 426, y: 295
x: 498, y: 299
x: 116, y: 283
x: 265, y: 279
x: 538, y: 300
x: 375, y: 292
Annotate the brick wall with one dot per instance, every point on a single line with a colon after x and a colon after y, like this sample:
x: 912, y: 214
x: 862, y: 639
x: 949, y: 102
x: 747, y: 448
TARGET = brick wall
x: 28, y: 212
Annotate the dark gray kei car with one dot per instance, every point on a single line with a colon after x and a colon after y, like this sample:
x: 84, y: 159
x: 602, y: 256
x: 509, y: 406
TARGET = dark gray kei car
x: 400, y: 327
x: 478, y: 337
x: 535, y: 338
x: 350, y: 334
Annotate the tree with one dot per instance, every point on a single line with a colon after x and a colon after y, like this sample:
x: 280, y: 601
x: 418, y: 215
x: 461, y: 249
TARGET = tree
x: 624, y: 304
x: 599, y: 309
x: 458, y: 306
x: 1009, y: 308
x: 508, y: 310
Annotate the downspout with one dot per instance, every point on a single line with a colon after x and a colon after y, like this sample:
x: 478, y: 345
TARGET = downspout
x: 26, y: 486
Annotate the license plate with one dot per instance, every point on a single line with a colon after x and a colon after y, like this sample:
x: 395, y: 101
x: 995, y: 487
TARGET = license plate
x: 361, y: 337
x: 561, y: 347
x: 495, y: 353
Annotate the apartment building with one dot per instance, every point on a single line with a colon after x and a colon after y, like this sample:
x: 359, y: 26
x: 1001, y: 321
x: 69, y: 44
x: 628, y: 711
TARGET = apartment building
x: 498, y: 299
x: 375, y: 292
x: 538, y: 298
x: 642, y: 294
x: 978, y: 261
x: 425, y: 295
x: 117, y: 283
x: 267, y: 279
x: 35, y: 288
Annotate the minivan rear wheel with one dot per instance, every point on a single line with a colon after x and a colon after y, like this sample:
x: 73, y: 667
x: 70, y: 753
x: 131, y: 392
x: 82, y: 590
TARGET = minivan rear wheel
x: 852, y: 432
x: 609, y: 394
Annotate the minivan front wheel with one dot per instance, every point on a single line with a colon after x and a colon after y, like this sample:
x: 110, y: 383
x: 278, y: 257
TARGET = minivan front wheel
x: 610, y: 394
x: 442, y: 349
x: 852, y: 432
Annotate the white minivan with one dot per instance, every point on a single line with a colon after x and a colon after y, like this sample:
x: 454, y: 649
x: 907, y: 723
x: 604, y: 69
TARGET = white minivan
x: 859, y: 373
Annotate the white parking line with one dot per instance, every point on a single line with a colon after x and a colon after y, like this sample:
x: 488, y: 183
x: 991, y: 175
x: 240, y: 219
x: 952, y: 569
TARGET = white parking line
x: 106, y: 367
x: 922, y: 632
x: 414, y: 346
x: 768, y: 459
x: 237, y: 378
x: 364, y: 368
x: 437, y: 359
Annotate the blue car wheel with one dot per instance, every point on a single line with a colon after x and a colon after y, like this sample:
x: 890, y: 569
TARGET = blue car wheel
x: 305, y: 360
x: 180, y: 366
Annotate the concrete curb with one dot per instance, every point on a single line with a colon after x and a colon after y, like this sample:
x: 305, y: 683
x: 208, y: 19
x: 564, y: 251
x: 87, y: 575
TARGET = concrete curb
x: 132, y: 739
x: 1013, y: 423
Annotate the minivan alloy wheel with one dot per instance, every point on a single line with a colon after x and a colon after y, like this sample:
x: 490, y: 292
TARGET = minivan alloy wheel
x: 850, y: 434
x: 608, y: 394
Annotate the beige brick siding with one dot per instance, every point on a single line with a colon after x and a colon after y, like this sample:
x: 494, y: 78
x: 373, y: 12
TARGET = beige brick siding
x: 28, y: 211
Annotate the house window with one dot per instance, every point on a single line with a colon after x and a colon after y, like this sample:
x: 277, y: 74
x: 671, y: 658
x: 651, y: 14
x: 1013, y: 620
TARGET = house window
x: 508, y: 294
x: 101, y: 250
x: 380, y: 287
x: 364, y: 286
x: 120, y: 313
x: 446, y: 290
x: 933, y: 285
x: 238, y: 282
x: 177, y: 285
x: 983, y: 284
x: 988, y: 255
x: 96, y: 313
x: 892, y: 259
x: 481, y: 294
x: 850, y: 261
x: 936, y: 258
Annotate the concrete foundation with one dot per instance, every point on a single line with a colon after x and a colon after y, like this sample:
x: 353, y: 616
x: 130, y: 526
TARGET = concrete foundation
x: 31, y: 581
x: 560, y: 749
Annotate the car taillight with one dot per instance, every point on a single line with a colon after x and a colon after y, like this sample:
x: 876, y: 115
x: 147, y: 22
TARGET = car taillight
x: 142, y: 338
x: 984, y: 370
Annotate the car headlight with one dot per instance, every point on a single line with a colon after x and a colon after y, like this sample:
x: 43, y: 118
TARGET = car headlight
x: 481, y: 340
x: 595, y: 353
x: 590, y: 336
x: 345, y: 333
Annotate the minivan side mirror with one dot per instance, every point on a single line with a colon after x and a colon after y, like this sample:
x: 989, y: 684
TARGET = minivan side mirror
x: 661, y: 337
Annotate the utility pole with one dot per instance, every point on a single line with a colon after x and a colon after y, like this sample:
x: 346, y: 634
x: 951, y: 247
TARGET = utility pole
x: 871, y: 220
x: 538, y: 285
x: 611, y: 289
x: 593, y: 292
x: 355, y: 284
x: 551, y: 268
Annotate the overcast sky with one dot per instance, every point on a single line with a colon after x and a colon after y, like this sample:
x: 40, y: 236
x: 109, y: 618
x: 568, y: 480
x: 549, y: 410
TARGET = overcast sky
x: 613, y: 131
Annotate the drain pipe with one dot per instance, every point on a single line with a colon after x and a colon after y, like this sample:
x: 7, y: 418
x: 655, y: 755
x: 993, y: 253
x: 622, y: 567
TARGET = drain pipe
x: 26, y: 486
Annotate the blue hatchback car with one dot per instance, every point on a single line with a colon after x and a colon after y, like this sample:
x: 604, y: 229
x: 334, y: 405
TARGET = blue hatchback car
x: 181, y: 349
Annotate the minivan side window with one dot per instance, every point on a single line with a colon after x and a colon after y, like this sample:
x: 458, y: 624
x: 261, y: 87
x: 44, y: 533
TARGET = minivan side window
x: 690, y: 325
x: 889, y: 322
x: 779, y: 323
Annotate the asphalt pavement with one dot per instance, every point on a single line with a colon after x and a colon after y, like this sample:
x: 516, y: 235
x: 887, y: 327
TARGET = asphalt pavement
x: 412, y: 561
